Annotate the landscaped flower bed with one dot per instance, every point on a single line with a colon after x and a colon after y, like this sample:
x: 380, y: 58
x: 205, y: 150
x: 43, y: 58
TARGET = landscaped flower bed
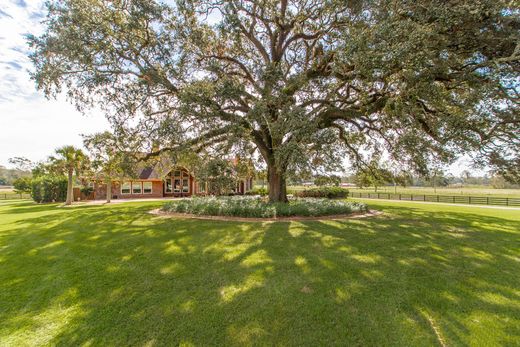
x: 255, y: 207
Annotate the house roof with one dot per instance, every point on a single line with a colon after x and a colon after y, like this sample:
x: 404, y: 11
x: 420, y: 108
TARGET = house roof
x: 148, y: 173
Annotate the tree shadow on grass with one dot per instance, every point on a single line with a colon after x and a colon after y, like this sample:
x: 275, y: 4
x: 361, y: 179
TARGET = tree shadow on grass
x: 116, y: 275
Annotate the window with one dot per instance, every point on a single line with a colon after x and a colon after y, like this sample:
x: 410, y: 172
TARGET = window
x: 136, y: 188
x: 185, y: 186
x: 147, y: 187
x: 168, y: 186
x: 176, y: 173
x: 125, y: 188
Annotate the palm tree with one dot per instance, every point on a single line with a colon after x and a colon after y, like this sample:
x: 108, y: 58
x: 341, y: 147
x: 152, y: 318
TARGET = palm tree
x: 69, y: 160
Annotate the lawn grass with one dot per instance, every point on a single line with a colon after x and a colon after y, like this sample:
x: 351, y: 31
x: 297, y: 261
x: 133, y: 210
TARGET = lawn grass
x: 473, y: 191
x: 419, y: 275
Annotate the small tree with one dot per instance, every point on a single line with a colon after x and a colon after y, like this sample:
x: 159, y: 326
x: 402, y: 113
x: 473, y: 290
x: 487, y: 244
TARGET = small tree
x: 437, y: 178
x: 22, y: 185
x: 109, y: 159
x: 219, y: 175
x: 373, y: 175
x: 465, y: 177
x: 324, y: 180
x: 69, y: 160
x: 21, y: 163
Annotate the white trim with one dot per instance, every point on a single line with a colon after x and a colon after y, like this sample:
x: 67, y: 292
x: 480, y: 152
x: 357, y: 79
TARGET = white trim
x: 166, y: 186
x: 122, y: 184
x: 140, y: 184
x: 151, y: 187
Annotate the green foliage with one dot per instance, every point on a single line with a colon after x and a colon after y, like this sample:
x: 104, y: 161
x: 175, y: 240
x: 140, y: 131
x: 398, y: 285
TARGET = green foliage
x: 323, y: 192
x: 262, y: 191
x: 374, y: 175
x: 219, y: 174
x: 259, y: 208
x: 8, y: 176
x: 68, y: 160
x: 86, y: 190
x: 301, y: 86
x: 499, y: 182
x: 22, y: 185
x: 49, y: 189
x: 326, y: 180
x: 111, y: 159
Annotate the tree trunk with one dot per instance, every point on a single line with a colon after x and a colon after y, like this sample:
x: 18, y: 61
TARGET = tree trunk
x: 277, y: 184
x: 69, y: 189
x: 109, y: 190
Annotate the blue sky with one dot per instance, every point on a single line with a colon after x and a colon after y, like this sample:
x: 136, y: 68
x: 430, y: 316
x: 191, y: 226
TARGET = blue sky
x: 30, y: 125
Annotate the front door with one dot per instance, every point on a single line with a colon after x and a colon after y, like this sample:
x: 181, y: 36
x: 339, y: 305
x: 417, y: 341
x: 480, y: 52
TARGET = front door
x: 177, y: 183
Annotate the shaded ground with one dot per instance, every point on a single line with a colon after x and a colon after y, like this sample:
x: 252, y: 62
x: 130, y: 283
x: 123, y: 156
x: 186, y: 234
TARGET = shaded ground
x: 115, y: 275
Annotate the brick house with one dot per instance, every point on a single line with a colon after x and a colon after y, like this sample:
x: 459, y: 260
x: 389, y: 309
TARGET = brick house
x: 149, y: 183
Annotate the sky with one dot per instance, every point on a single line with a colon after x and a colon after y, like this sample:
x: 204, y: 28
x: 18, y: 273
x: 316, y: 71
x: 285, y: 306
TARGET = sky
x: 32, y: 126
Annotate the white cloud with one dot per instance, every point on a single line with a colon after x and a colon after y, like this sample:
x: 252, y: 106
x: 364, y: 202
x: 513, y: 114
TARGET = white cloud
x: 31, y: 125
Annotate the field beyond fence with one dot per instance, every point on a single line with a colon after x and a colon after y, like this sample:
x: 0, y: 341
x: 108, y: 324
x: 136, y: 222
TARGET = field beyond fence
x: 453, y: 199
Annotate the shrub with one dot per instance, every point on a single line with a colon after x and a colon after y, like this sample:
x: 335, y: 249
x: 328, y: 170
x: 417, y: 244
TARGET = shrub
x: 22, y: 185
x: 86, y: 190
x: 323, y: 192
x: 258, y: 191
x: 243, y: 206
x: 49, y: 189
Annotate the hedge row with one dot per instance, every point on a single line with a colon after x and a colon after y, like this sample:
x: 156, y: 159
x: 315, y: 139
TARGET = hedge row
x: 323, y: 192
x: 49, y: 189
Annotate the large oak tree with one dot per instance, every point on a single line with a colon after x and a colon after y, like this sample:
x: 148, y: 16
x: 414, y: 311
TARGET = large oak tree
x: 301, y: 82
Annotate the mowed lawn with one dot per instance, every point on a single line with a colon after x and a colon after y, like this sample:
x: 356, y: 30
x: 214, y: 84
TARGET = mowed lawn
x: 499, y: 193
x: 419, y: 275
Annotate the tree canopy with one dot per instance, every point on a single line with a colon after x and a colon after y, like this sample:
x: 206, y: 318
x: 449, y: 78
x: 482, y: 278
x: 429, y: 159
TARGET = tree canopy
x: 301, y: 83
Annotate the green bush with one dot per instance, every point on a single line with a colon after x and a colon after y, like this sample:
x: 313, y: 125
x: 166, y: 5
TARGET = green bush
x: 262, y: 191
x: 22, y: 185
x: 86, y: 190
x: 243, y: 206
x: 323, y: 192
x: 49, y: 189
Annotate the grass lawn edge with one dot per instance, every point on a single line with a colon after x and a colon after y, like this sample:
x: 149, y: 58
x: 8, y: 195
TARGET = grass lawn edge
x: 354, y: 215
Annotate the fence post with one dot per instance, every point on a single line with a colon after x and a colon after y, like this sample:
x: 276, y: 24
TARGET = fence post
x: 453, y: 198
x: 378, y: 196
x: 437, y: 198
x: 487, y: 200
x: 399, y: 196
x: 469, y: 200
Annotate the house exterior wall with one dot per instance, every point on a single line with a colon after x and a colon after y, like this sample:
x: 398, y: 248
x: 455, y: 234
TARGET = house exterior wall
x: 159, y: 187
x: 101, y: 188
